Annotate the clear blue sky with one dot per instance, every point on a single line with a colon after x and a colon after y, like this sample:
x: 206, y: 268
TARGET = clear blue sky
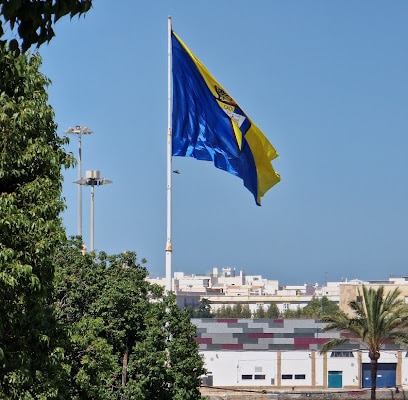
x: 326, y: 81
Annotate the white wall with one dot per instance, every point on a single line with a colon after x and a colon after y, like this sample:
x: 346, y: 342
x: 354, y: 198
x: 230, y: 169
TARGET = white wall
x: 296, y: 364
x: 227, y: 367
x: 404, y: 369
x: 348, y: 366
x: 319, y: 377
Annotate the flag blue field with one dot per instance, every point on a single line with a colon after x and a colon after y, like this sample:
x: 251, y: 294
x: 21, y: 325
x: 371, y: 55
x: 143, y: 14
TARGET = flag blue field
x: 207, y: 124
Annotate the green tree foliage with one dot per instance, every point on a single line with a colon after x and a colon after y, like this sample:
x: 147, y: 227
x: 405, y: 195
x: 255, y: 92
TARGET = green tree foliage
x: 316, y: 308
x: 31, y: 157
x: 236, y: 311
x: 203, y: 310
x: 292, y: 314
x: 376, y: 319
x: 260, y: 313
x: 224, y: 312
x: 32, y: 20
x: 99, y: 306
x: 114, y: 318
x: 245, y: 312
x: 165, y: 364
x: 272, y: 311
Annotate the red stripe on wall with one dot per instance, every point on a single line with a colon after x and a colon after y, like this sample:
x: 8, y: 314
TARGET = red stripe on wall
x: 204, y: 340
x: 260, y: 335
x: 304, y: 343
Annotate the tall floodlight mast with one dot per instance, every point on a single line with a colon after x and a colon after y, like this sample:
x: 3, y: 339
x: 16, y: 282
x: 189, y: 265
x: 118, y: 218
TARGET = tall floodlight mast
x: 79, y: 130
x: 92, y: 179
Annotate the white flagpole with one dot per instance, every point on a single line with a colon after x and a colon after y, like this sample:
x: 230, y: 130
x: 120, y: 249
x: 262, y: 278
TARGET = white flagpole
x: 169, y: 157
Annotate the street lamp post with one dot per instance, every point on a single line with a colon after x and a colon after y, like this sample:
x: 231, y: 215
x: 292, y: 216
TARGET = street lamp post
x: 79, y: 130
x: 92, y: 179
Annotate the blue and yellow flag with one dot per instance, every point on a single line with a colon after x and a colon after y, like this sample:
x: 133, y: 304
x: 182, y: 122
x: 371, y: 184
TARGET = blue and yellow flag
x: 207, y: 124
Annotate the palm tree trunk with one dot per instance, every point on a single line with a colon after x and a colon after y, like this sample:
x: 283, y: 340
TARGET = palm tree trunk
x: 374, y: 356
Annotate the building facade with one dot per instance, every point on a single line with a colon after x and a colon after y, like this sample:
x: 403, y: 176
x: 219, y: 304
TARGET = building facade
x: 285, y: 354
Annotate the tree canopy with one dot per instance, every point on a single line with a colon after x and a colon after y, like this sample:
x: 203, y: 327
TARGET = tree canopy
x: 125, y: 340
x: 31, y: 21
x: 31, y: 157
x: 203, y: 310
x: 318, y: 307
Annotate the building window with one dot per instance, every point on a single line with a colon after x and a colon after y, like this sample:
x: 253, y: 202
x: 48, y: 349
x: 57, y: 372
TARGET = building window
x: 285, y: 306
x: 341, y: 354
x: 300, y: 376
x: 246, y: 377
x: 286, y: 376
x: 260, y: 377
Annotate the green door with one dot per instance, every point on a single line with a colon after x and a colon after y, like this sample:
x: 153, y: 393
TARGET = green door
x: 335, y: 379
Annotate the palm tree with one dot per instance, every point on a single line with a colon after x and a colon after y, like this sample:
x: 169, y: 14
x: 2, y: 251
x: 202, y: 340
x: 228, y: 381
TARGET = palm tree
x: 377, y: 318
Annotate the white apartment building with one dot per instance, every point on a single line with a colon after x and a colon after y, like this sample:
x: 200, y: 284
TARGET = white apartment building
x: 227, y: 287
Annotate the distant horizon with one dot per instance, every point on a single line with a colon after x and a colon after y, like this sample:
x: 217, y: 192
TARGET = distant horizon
x: 344, y: 280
